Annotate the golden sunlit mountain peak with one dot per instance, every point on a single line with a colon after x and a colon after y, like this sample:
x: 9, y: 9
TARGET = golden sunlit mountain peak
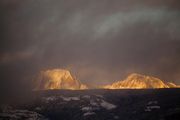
x: 58, y: 79
x: 138, y: 81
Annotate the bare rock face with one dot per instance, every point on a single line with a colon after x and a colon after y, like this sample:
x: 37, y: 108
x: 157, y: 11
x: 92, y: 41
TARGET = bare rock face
x: 58, y: 79
x: 138, y: 81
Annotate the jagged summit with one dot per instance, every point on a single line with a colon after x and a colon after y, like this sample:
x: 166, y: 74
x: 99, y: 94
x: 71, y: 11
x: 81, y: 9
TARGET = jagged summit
x: 138, y: 81
x: 58, y: 79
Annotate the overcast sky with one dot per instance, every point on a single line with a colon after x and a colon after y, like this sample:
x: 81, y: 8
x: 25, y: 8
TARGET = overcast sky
x: 100, y: 41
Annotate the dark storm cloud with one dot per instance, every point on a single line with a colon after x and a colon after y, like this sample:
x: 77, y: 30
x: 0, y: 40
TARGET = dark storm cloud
x: 100, y: 41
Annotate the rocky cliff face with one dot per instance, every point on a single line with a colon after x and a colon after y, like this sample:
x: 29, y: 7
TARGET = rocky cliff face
x: 138, y: 81
x: 57, y: 79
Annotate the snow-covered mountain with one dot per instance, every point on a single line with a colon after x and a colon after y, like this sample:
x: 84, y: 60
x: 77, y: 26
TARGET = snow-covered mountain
x: 63, y: 79
x: 57, y: 79
x: 138, y: 81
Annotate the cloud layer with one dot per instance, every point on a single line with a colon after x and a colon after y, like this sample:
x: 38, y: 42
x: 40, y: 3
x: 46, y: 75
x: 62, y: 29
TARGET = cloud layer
x: 99, y: 41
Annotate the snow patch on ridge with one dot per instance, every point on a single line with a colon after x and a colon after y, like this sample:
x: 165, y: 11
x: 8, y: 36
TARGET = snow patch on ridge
x: 70, y: 98
x: 107, y: 105
x: 152, y: 105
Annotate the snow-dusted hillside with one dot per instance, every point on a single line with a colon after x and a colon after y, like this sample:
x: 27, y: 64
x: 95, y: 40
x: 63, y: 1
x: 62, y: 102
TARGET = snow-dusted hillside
x: 146, y: 104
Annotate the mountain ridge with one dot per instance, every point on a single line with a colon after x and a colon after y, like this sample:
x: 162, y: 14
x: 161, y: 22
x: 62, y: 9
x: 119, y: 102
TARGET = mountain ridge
x: 63, y: 79
x: 139, y: 81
